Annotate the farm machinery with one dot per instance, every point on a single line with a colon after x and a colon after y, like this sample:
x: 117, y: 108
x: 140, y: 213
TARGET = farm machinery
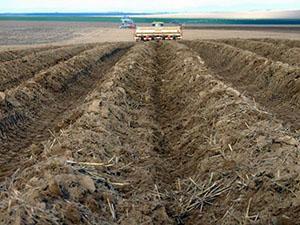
x: 158, y: 31
x: 127, y: 23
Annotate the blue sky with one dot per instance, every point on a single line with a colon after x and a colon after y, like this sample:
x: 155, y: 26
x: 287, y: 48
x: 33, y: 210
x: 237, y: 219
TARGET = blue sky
x: 145, y: 5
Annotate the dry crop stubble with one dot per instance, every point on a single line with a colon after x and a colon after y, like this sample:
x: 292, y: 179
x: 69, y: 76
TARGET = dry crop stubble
x: 160, y: 139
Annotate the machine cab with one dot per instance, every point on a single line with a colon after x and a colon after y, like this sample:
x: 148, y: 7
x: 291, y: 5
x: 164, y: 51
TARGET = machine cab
x: 127, y: 23
x: 158, y: 24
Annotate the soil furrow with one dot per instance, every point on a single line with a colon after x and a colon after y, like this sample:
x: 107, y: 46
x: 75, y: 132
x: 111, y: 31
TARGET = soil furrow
x: 117, y: 126
x: 284, y: 42
x: 14, y: 72
x: 160, y: 140
x: 271, y: 51
x: 6, y: 56
x: 43, y: 102
x: 230, y: 161
x: 273, y: 84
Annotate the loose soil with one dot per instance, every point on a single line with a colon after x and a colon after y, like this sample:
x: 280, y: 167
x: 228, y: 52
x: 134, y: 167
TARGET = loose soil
x: 271, y: 51
x: 289, y: 43
x: 11, y: 55
x: 20, y: 34
x: 14, y: 72
x: 275, y: 85
x: 29, y: 111
x: 148, y: 134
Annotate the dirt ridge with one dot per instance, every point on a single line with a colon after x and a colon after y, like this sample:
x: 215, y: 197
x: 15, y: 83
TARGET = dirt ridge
x: 14, y: 72
x: 271, y: 51
x: 40, y: 103
x: 288, y: 43
x: 9, y: 55
x: 221, y: 145
x: 160, y: 139
x: 273, y: 84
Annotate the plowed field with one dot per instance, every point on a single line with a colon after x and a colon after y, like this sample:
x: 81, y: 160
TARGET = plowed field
x: 198, y: 132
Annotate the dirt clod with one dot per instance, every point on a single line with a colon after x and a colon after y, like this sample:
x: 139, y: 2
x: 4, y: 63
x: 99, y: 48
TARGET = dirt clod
x: 152, y: 133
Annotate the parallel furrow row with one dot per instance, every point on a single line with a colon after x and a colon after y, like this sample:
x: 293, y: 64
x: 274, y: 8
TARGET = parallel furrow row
x: 271, y: 51
x: 232, y: 162
x: 159, y: 141
x: 14, y: 72
x: 16, y: 54
x: 32, y: 111
x: 275, y: 85
x: 284, y: 42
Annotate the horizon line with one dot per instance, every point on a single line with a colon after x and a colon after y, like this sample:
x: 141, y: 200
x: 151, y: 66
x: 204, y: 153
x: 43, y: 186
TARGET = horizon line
x: 153, y: 12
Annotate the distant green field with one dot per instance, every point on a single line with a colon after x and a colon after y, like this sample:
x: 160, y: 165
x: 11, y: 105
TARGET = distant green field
x: 90, y: 18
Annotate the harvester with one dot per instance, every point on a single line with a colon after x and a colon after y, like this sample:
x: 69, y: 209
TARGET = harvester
x: 158, y: 32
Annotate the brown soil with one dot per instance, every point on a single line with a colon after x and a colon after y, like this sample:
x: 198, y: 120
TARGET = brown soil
x: 155, y: 138
x: 271, y: 51
x: 289, y: 43
x: 16, y: 71
x: 273, y: 84
x: 20, y: 34
x: 16, y: 54
x: 29, y: 111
